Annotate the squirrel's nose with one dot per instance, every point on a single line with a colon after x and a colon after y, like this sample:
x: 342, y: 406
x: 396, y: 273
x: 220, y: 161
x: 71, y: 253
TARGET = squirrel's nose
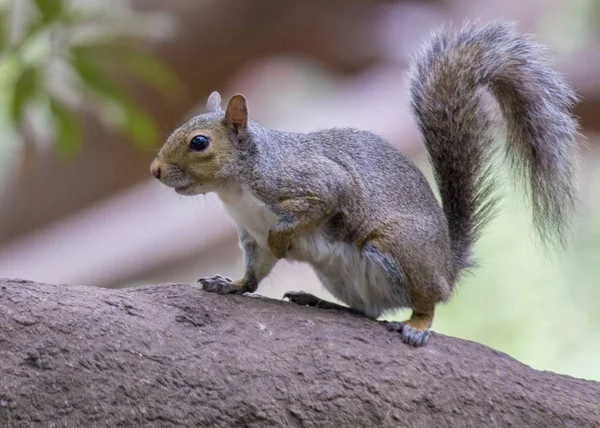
x: 155, y: 169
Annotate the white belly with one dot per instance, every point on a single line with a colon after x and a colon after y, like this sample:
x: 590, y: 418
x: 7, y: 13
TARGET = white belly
x: 257, y: 219
x: 342, y: 268
x: 349, y: 275
x: 250, y: 213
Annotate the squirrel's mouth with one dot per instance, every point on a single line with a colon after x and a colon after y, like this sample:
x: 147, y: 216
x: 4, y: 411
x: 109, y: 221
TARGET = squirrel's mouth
x: 182, y: 189
x: 194, y: 188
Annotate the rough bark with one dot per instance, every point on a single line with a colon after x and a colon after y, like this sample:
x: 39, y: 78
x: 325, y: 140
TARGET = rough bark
x: 174, y: 355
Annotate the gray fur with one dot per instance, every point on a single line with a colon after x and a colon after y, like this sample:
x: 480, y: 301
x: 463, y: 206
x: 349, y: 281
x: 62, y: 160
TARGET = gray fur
x: 361, y: 213
x: 362, y: 184
x: 446, y: 86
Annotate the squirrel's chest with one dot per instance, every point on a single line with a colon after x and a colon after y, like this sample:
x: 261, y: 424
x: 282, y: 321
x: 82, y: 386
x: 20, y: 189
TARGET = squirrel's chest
x: 250, y: 213
x: 247, y: 211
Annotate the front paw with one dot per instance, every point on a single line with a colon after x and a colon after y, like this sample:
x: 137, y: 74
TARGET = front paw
x: 279, y: 244
x: 219, y: 284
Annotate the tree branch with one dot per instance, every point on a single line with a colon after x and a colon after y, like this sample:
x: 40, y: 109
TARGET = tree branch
x: 173, y: 355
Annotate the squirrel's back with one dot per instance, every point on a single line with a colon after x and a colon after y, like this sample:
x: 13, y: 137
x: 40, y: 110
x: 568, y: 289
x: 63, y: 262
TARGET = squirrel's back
x: 383, y: 177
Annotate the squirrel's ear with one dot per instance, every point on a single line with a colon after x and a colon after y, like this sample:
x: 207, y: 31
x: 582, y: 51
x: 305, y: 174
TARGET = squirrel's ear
x: 213, y: 105
x: 237, y: 112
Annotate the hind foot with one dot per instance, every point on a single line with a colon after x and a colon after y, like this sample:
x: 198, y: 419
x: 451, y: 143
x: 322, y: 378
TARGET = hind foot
x: 409, y: 334
x: 415, y: 331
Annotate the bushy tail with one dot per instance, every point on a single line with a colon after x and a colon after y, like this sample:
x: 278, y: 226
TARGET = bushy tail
x: 448, y: 83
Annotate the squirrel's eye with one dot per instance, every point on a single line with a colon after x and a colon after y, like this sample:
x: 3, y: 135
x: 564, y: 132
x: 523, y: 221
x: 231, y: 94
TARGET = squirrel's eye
x: 199, y: 143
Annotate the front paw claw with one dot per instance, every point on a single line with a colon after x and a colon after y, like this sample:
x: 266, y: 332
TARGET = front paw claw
x: 218, y: 284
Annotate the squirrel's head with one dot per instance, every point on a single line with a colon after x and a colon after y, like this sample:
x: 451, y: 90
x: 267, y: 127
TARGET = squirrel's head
x: 198, y: 156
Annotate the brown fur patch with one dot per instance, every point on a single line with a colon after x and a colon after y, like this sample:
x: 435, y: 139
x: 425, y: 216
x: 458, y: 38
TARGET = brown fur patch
x: 422, y: 316
x: 380, y: 237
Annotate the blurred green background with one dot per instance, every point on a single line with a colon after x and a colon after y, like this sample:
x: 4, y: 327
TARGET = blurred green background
x: 89, y: 90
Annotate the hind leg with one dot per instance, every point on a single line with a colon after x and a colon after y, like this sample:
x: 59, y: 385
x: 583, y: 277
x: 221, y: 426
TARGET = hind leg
x: 367, y: 280
x: 426, y: 289
x: 372, y: 283
x: 414, y: 331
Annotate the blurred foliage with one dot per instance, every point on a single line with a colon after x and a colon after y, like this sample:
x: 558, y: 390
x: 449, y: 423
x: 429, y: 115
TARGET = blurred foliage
x: 572, y: 25
x: 57, y: 59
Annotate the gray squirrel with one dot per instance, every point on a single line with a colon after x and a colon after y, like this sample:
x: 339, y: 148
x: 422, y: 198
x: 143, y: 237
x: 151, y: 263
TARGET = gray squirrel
x: 358, y: 211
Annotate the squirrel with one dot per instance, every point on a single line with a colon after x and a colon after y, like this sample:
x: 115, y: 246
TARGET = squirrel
x: 363, y: 215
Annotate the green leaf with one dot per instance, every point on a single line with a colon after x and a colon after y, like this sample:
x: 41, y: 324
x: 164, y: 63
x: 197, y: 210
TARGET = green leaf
x: 34, y: 33
x: 24, y: 92
x: 52, y: 16
x: 152, y: 71
x: 141, y: 64
x: 4, y: 25
x: 137, y: 123
x: 68, y: 135
x: 49, y: 9
x: 96, y: 80
x: 140, y: 127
